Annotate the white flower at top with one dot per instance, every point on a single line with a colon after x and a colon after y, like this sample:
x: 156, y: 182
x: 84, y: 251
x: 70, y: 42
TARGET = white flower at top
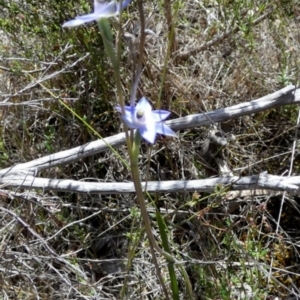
x: 147, y: 121
x: 102, y: 9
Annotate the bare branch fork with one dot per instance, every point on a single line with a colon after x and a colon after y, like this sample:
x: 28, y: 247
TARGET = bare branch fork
x: 23, y: 175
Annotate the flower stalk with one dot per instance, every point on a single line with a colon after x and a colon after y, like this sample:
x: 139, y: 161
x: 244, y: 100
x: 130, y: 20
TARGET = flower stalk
x: 147, y: 122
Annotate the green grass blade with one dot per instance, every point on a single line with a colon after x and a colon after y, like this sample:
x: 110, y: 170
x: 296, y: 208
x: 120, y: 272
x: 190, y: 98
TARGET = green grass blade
x: 163, y: 233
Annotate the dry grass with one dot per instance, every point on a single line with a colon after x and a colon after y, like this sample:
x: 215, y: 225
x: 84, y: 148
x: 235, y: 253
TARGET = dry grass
x: 69, y: 246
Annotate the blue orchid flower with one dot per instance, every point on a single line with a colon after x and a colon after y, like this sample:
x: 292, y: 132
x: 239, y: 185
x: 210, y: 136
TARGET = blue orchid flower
x: 102, y: 9
x: 147, y: 121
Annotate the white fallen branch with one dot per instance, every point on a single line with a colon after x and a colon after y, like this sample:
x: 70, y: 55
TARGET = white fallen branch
x: 232, y: 183
x: 285, y: 96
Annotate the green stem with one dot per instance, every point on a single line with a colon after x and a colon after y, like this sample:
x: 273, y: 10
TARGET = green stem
x: 140, y: 194
x: 105, y: 31
x: 142, y: 203
x: 133, y: 149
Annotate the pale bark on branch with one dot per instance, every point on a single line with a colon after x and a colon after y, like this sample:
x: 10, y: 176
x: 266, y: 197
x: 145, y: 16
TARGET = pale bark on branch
x: 285, y: 96
x: 220, y: 185
x: 24, y: 175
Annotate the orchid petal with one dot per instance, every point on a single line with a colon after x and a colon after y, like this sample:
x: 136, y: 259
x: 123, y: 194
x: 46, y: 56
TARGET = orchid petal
x: 124, y: 5
x: 77, y: 22
x: 102, y: 9
x: 128, y: 118
x: 160, y: 115
x: 99, y: 5
x: 129, y: 121
x: 144, y: 105
x: 127, y: 109
x: 110, y: 10
x: 148, y: 132
x: 118, y: 108
x: 146, y: 121
x: 161, y: 128
x: 87, y: 17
